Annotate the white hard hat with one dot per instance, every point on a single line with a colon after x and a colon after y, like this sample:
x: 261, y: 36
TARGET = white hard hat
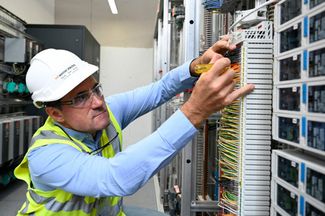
x: 54, y: 73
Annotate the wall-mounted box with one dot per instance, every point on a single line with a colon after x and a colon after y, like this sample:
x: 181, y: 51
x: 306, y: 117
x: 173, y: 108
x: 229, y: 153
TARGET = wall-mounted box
x: 15, y: 50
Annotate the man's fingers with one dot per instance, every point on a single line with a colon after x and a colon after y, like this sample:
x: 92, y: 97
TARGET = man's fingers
x: 225, y: 37
x: 228, y: 89
x: 215, y: 57
x: 219, y: 66
x: 225, y: 78
x: 240, y: 92
x: 222, y: 46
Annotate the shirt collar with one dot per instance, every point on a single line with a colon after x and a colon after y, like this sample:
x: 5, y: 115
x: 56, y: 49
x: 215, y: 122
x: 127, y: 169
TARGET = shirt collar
x: 82, y: 136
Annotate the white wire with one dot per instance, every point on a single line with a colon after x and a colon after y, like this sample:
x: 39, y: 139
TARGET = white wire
x: 249, y: 13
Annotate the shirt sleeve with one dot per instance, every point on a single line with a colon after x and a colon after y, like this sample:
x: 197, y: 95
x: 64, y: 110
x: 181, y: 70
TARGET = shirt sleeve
x: 138, y: 102
x: 62, y: 166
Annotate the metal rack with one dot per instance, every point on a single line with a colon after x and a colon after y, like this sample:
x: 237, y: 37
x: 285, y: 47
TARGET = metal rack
x: 298, y: 108
x: 179, y: 180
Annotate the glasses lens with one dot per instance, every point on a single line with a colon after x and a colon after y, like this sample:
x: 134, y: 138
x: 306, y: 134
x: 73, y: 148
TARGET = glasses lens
x: 84, y: 98
x: 98, y: 91
x: 81, y: 99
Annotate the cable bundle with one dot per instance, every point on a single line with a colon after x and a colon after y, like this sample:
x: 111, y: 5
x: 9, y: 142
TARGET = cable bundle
x: 229, y: 146
x: 229, y: 142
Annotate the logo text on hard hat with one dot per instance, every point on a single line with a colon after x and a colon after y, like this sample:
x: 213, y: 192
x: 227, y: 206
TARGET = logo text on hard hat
x: 67, y: 72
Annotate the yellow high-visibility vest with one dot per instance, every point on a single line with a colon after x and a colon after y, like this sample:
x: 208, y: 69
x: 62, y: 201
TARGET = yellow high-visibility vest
x: 58, y: 202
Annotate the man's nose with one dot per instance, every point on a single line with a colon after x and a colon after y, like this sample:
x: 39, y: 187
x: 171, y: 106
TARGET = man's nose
x: 96, y: 100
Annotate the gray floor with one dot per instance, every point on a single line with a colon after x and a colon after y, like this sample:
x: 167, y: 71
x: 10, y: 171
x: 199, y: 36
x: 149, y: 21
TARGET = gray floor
x: 13, y: 195
x: 11, y: 198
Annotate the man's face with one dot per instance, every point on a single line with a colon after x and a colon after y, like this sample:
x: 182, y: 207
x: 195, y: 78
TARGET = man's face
x: 89, y: 118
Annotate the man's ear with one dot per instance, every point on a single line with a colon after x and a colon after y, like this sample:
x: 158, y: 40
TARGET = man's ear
x: 55, y: 113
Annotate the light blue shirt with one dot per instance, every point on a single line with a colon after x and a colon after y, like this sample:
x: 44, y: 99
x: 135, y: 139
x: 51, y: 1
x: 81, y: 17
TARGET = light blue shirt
x: 62, y: 166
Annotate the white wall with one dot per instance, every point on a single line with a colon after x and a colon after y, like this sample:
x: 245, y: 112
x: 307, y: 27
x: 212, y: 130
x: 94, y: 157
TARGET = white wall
x: 32, y: 11
x: 124, y: 69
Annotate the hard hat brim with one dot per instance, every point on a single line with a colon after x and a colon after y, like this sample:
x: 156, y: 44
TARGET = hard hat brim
x: 85, y: 70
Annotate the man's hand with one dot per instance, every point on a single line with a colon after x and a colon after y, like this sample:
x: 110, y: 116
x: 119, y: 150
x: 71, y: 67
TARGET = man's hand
x: 213, y: 91
x: 216, y: 51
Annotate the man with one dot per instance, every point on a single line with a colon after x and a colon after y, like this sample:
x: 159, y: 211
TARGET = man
x: 75, y: 165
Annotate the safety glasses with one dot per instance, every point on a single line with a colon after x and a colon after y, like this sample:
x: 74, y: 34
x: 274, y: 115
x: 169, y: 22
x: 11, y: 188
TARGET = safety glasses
x: 84, y: 99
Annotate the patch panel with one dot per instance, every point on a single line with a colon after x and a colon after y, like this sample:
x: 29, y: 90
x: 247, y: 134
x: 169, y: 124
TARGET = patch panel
x: 290, y: 68
x: 315, y: 3
x: 317, y: 27
x: 287, y: 200
x: 315, y: 184
x: 289, y: 10
x: 313, y: 210
x: 289, y: 98
x: 316, y: 98
x: 316, y: 135
x: 317, y: 63
x: 289, y: 129
x: 287, y: 13
x: 290, y: 38
x: 288, y: 171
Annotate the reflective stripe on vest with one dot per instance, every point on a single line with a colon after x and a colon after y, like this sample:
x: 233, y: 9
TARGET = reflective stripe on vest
x: 49, y: 135
x: 59, y: 202
x: 107, y: 209
x: 74, y: 203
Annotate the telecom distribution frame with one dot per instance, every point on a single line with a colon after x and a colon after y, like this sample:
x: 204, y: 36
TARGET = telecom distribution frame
x: 244, y: 138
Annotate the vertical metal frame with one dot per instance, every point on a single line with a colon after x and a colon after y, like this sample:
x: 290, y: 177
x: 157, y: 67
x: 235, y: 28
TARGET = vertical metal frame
x: 191, y: 29
x: 165, y: 49
x: 191, y: 50
x: 163, y: 55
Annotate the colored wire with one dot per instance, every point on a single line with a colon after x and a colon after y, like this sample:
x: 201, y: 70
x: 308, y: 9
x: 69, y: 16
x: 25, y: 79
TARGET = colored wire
x: 229, y: 145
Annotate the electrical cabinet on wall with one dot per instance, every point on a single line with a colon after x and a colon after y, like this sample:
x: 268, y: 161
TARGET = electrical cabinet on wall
x: 74, y: 38
x: 17, y: 122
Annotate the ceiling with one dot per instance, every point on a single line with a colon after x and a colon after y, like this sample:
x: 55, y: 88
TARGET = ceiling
x: 133, y: 26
